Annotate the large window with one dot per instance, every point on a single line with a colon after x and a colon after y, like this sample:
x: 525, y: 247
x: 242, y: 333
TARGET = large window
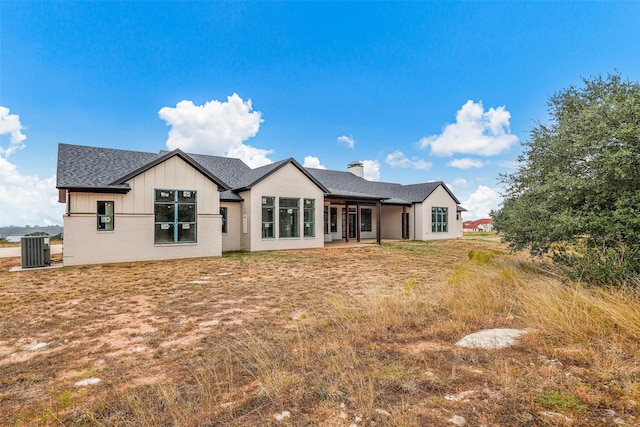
x: 439, y: 220
x: 326, y: 220
x: 268, y: 216
x: 105, y: 216
x: 309, y: 218
x: 365, y: 219
x: 289, y: 218
x: 223, y: 212
x: 175, y: 216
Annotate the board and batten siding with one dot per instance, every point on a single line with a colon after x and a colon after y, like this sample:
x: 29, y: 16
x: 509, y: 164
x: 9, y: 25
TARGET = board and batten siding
x: 133, y: 236
x: 439, y: 198
x: 288, y: 181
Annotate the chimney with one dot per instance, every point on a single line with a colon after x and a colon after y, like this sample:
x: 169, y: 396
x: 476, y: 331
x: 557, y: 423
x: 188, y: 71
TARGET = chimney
x: 356, y: 168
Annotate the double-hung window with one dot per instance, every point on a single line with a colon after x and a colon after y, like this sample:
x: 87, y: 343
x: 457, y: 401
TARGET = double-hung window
x: 439, y: 220
x: 268, y: 217
x: 289, y: 217
x: 175, y: 216
x: 309, y: 218
x: 105, y: 216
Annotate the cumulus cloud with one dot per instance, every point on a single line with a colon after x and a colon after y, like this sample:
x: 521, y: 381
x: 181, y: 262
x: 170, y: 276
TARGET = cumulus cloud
x: 465, y: 163
x: 25, y: 200
x: 481, y: 202
x: 313, y: 162
x: 10, y: 125
x: 474, y: 132
x: 371, y: 170
x: 347, y: 140
x: 217, y: 128
x: 398, y: 159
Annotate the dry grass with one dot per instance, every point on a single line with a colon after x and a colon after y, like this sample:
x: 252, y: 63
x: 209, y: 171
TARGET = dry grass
x: 326, y: 337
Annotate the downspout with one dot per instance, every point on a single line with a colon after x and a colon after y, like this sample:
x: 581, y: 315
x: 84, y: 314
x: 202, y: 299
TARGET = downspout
x: 68, y: 203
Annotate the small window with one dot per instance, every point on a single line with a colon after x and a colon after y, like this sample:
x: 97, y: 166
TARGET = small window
x: 223, y: 212
x: 289, y: 217
x: 105, y: 216
x: 365, y: 219
x: 268, y: 217
x: 439, y: 220
x: 309, y: 218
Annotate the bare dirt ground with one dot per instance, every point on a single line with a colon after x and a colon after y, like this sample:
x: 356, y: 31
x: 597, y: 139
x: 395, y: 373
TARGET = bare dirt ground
x: 252, y: 339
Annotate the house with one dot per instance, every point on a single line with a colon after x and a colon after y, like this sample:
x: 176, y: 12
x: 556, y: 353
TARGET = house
x: 124, y: 205
x: 483, y: 224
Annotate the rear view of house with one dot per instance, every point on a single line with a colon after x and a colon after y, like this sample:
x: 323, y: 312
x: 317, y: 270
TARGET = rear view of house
x: 124, y: 205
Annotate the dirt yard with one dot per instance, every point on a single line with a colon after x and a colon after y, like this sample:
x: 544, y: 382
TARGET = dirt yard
x: 315, y: 337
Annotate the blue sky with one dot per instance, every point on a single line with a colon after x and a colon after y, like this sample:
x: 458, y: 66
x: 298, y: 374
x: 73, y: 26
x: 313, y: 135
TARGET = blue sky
x: 419, y: 91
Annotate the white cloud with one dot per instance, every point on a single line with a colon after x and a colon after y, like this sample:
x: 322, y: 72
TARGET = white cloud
x: 313, y: 162
x: 217, y: 128
x: 371, y: 170
x: 398, y: 159
x: 474, y: 132
x: 10, y: 125
x: 460, y: 182
x: 25, y: 200
x: 480, y: 202
x: 465, y: 163
x: 347, y: 140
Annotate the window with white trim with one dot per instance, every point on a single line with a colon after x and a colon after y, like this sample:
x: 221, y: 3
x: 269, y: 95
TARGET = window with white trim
x: 223, y: 212
x: 365, y: 219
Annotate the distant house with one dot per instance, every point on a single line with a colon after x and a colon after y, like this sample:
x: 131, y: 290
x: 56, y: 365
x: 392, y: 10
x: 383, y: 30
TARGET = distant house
x: 126, y: 205
x: 484, y: 224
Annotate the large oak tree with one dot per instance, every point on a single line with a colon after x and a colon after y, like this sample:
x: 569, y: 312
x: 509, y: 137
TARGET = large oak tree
x: 576, y: 191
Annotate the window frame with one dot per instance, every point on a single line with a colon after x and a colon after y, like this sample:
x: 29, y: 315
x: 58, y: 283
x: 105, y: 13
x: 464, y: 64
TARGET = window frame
x: 223, y: 213
x: 309, y: 225
x: 269, y: 225
x: 366, y: 226
x: 160, y: 199
x: 105, y: 218
x: 439, y: 219
x: 292, y: 212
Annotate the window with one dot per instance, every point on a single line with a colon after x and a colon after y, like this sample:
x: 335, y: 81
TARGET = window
x: 105, y: 216
x: 268, y: 216
x: 175, y: 216
x: 365, y: 219
x: 289, y: 220
x: 334, y: 220
x: 223, y: 212
x: 326, y: 220
x: 439, y: 220
x: 309, y: 218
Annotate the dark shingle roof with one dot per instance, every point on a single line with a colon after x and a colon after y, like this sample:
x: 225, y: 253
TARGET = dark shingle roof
x: 104, y: 169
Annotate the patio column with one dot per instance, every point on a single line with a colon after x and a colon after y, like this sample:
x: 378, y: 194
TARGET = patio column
x: 346, y: 222
x: 358, y: 220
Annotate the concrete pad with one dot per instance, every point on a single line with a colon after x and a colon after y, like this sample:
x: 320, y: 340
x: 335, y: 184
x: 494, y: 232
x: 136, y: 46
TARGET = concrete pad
x: 491, y: 338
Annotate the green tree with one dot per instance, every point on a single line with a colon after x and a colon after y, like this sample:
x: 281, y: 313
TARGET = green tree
x: 576, y: 191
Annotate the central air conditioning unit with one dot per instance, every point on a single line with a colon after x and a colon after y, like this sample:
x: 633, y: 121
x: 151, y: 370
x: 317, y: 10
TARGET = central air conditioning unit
x: 36, y: 251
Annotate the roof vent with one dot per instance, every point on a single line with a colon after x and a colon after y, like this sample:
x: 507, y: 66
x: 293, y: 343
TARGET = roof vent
x: 356, y: 168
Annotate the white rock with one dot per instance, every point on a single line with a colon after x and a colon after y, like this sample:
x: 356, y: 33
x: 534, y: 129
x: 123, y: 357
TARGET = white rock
x: 281, y: 416
x: 35, y: 346
x: 457, y: 420
x: 88, y: 381
x: 491, y: 338
x: 460, y: 396
x: 550, y: 414
x: 383, y: 412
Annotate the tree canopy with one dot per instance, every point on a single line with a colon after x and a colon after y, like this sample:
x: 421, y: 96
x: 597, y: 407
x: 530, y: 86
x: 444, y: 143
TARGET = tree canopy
x: 576, y: 190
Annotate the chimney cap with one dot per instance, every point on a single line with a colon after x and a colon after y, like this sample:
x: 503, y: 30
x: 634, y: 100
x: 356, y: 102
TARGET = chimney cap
x: 356, y: 163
